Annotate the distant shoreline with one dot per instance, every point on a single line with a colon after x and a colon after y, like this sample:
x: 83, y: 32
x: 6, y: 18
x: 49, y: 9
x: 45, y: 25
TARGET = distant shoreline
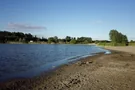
x: 45, y: 43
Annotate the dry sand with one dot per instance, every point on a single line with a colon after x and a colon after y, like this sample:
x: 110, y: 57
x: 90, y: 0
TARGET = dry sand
x: 129, y: 49
x: 101, y: 72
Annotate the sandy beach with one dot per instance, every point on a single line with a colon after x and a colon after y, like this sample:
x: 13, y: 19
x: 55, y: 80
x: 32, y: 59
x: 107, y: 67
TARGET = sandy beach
x: 115, y: 71
x: 129, y: 49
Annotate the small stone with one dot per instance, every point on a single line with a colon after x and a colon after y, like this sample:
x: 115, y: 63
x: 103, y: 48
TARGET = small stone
x: 87, y: 62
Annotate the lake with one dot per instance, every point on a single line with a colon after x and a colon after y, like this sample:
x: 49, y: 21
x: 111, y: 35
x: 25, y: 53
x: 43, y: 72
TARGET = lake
x: 28, y: 60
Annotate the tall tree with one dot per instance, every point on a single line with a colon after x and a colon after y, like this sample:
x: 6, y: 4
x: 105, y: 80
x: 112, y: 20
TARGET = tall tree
x: 118, y: 37
x: 68, y: 39
x: 73, y: 41
x: 56, y: 40
x: 51, y: 40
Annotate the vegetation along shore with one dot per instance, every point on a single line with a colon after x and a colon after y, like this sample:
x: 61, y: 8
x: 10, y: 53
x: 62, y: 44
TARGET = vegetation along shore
x: 116, y: 39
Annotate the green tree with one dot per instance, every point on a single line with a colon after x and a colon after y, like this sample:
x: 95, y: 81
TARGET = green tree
x: 51, y: 40
x: 131, y: 41
x: 118, y: 38
x: 73, y: 41
x: 68, y: 39
x: 114, y: 36
x: 84, y: 40
x: 56, y: 40
x: 44, y: 39
x: 124, y: 39
x: 63, y: 41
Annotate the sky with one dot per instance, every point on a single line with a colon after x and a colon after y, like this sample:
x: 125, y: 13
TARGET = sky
x: 76, y: 18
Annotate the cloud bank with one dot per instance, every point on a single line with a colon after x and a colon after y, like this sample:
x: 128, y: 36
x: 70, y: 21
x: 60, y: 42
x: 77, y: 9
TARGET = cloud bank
x: 19, y: 26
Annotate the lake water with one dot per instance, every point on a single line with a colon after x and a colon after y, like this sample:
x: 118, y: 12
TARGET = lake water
x: 23, y: 60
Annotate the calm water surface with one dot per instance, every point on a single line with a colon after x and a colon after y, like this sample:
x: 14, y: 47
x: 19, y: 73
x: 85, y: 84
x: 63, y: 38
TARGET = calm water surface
x: 23, y: 60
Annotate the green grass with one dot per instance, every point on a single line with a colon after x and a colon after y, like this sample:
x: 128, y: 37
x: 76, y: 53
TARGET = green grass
x: 131, y: 44
x: 111, y: 44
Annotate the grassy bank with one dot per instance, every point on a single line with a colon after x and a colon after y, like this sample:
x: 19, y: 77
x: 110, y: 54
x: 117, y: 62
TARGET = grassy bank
x: 131, y: 44
x: 115, y: 44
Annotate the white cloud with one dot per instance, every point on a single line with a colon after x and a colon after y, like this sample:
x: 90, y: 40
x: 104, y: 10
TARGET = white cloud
x: 18, y: 26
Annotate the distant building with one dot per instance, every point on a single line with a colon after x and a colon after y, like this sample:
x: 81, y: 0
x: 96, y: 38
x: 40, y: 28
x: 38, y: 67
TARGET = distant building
x: 31, y: 41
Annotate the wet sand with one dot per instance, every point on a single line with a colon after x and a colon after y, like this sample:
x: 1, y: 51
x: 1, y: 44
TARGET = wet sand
x: 101, y: 72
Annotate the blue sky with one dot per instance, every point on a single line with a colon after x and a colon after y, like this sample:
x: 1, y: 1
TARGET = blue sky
x: 90, y: 18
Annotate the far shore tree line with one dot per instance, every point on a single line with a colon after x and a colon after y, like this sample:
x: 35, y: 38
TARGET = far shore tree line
x: 19, y: 37
x: 116, y: 39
